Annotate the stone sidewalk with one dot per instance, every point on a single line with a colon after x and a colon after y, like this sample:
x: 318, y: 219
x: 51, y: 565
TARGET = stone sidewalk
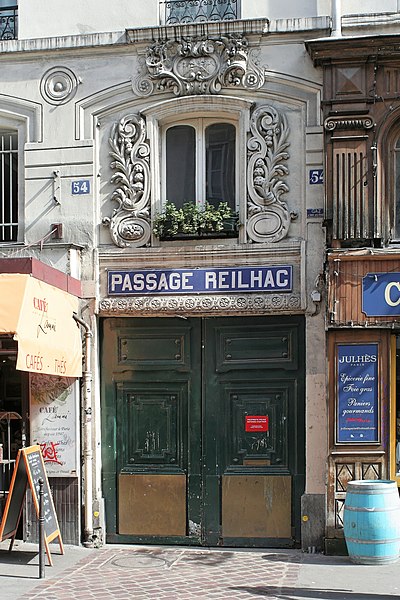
x: 172, y: 573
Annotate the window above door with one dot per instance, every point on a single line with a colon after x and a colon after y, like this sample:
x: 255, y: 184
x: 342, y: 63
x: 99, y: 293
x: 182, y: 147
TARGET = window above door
x: 196, y: 149
x: 199, y: 162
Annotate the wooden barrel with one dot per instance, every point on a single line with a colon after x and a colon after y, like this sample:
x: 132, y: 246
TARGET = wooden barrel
x: 372, y: 521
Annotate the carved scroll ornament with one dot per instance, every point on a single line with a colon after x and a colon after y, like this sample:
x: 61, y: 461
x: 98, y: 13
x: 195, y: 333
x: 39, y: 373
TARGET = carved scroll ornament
x: 199, y: 66
x: 130, y: 222
x: 268, y: 215
x: 363, y: 122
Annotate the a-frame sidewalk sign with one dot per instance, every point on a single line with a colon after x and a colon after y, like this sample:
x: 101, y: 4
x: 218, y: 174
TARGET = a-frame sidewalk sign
x: 29, y: 469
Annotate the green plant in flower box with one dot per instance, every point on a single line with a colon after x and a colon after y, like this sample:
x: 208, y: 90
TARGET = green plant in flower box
x: 194, y: 220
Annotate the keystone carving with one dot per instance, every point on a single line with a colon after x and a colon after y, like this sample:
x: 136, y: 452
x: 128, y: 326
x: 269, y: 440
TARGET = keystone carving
x: 130, y: 221
x: 268, y: 215
x: 199, y: 66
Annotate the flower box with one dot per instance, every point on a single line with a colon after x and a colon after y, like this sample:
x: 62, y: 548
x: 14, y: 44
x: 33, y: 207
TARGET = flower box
x: 196, y: 222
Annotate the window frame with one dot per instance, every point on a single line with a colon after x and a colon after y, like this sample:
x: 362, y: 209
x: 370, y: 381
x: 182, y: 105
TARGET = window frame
x: 199, y: 124
x: 9, y: 203
x: 15, y: 126
x: 384, y: 163
x: 395, y: 175
x: 220, y: 109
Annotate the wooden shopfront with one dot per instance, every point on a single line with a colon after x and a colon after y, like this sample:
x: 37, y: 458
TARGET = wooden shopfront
x: 364, y: 375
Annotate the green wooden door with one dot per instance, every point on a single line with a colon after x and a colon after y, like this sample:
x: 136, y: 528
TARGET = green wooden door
x: 203, y: 430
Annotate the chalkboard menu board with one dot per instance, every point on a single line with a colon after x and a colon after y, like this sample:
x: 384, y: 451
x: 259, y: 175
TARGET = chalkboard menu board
x: 29, y: 469
x: 36, y: 471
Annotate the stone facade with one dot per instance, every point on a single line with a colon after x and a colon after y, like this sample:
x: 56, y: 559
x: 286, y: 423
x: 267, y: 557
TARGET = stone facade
x: 90, y: 104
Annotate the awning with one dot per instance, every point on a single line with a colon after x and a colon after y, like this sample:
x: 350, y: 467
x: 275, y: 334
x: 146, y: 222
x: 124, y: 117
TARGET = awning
x: 41, y: 318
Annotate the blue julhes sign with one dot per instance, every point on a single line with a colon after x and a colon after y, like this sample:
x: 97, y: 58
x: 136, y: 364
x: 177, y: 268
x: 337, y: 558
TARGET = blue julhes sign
x: 381, y: 294
x: 197, y: 281
x: 357, y: 393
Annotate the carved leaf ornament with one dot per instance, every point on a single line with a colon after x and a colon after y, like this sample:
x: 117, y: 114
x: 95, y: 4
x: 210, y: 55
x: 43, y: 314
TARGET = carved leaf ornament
x: 268, y: 215
x: 130, y: 221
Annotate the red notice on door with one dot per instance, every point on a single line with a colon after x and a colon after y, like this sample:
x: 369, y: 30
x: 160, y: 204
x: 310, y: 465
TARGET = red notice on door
x: 256, y: 423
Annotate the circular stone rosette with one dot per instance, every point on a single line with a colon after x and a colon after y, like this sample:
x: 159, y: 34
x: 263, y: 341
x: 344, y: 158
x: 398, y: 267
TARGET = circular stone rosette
x: 58, y: 85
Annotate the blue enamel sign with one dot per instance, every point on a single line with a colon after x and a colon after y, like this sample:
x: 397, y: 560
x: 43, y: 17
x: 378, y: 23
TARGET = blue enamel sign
x: 381, y: 294
x: 357, y: 393
x: 80, y: 186
x: 315, y: 213
x: 316, y: 176
x: 197, y: 281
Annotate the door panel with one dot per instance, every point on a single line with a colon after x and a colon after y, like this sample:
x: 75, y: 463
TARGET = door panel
x: 152, y: 504
x: 182, y: 463
x: 250, y: 448
x: 248, y: 347
x: 256, y: 506
x: 149, y: 415
x: 154, y: 350
x: 149, y: 438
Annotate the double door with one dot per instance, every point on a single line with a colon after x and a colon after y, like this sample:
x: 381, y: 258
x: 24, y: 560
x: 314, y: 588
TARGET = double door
x: 203, y: 430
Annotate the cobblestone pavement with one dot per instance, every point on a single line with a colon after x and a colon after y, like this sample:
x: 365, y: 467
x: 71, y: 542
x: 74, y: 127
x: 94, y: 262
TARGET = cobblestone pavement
x: 173, y: 574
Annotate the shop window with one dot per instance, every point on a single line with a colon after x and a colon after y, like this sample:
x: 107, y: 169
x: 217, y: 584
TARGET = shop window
x: 8, y: 186
x: 200, y: 163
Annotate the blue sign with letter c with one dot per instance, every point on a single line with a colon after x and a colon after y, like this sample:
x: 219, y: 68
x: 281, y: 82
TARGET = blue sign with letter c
x: 381, y: 294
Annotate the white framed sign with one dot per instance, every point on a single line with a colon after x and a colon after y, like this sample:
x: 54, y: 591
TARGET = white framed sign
x: 54, y: 423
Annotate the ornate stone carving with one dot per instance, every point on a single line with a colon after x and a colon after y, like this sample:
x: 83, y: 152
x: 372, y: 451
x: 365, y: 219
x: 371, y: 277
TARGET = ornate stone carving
x: 58, y: 85
x: 130, y: 222
x: 199, y: 66
x: 268, y: 215
x: 213, y: 304
x: 332, y: 123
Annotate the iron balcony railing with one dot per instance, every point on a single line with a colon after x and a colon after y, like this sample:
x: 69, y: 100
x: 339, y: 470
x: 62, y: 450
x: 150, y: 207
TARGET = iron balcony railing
x: 174, y: 12
x: 8, y: 22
